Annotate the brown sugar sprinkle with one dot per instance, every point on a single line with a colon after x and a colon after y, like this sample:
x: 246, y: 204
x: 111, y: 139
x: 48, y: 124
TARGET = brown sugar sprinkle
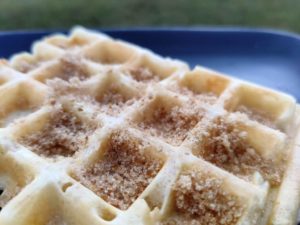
x: 72, y: 66
x: 201, y: 200
x: 143, y: 74
x: 226, y: 147
x: 256, y: 115
x: 113, y: 101
x: 172, y: 124
x: 63, y: 135
x: 123, y: 173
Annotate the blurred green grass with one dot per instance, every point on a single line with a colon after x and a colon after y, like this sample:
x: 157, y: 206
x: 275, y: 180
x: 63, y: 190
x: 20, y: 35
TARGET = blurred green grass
x: 21, y: 14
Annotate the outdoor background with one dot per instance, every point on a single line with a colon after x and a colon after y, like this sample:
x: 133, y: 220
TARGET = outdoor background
x: 21, y: 14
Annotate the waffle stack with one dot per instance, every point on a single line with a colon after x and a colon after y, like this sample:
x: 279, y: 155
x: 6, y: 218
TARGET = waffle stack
x: 99, y: 131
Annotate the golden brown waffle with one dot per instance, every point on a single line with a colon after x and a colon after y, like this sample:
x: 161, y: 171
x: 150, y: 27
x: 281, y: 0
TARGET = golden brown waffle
x: 98, y: 131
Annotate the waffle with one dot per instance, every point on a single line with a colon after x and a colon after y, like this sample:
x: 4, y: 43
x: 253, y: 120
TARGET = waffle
x: 99, y: 131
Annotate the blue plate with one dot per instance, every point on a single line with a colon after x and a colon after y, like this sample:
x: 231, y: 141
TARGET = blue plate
x: 266, y: 57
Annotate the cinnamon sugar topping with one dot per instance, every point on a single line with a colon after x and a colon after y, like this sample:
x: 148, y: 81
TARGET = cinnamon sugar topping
x: 63, y: 135
x: 143, y: 74
x: 72, y: 66
x: 64, y: 88
x: 123, y: 173
x: 201, y: 200
x: 172, y: 124
x: 225, y: 146
x: 113, y: 101
x: 25, y: 66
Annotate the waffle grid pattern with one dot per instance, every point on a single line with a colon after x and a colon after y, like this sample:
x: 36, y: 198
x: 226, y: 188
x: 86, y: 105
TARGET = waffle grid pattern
x: 99, y: 131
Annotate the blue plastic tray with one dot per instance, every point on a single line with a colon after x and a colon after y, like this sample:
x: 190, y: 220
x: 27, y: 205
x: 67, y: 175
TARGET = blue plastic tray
x: 266, y: 57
